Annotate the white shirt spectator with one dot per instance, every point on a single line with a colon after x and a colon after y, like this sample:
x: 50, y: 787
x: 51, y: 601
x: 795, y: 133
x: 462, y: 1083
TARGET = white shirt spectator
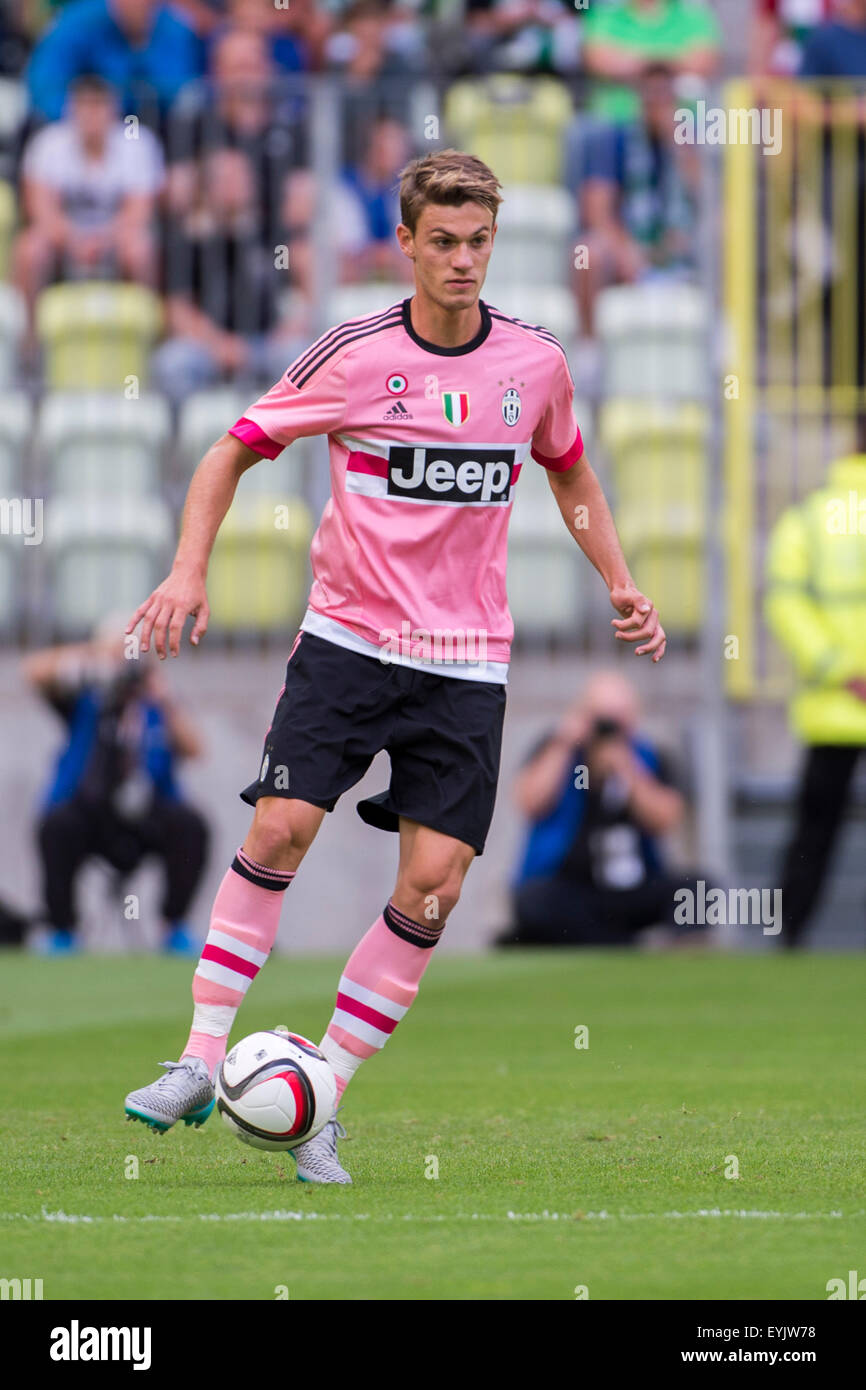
x: 92, y: 190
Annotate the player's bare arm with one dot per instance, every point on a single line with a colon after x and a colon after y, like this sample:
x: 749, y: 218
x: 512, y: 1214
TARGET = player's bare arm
x: 579, y: 488
x: 183, y: 593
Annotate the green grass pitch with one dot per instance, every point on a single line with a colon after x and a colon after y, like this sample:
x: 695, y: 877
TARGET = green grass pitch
x: 559, y: 1167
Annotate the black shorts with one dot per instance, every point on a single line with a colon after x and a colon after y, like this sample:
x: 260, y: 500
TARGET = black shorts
x: 338, y: 709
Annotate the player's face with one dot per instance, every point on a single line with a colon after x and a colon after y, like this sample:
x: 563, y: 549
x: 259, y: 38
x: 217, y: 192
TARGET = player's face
x: 451, y: 247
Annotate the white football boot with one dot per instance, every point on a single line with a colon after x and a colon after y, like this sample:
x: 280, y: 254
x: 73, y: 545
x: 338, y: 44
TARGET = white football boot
x: 184, y: 1093
x: 317, y: 1158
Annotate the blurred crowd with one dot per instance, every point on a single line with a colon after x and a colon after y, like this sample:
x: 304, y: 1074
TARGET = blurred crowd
x: 169, y: 143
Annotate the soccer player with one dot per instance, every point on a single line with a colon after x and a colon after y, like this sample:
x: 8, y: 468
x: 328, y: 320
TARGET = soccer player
x: 431, y: 408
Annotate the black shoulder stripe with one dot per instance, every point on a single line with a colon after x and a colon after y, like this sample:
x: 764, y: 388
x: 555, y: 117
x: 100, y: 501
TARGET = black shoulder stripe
x: 330, y: 333
x: 536, y: 328
x: 300, y: 381
x: 336, y: 336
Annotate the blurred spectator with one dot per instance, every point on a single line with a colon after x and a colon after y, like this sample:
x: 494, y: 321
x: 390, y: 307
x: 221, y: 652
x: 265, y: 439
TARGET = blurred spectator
x: 88, y: 196
x: 205, y: 17
x: 114, y: 792
x: 779, y: 30
x: 140, y: 46
x: 524, y: 35
x: 14, y: 39
x: 373, y: 187
x: 816, y: 606
x: 241, y: 106
x: 223, y: 285
x: 296, y: 33
x: 637, y: 195
x: 837, y: 48
x: 598, y: 797
x: 363, y: 210
x: 380, y: 63
x: 14, y: 925
x: 620, y: 40
x: 348, y: 237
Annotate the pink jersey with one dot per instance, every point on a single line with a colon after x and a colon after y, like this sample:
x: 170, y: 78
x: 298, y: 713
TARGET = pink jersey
x: 426, y: 447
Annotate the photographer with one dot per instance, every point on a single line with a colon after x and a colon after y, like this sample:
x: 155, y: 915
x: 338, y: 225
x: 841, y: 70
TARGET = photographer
x: 113, y: 792
x: 598, y: 797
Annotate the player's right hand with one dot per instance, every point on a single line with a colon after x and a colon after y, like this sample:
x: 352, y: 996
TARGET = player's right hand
x: 164, y: 613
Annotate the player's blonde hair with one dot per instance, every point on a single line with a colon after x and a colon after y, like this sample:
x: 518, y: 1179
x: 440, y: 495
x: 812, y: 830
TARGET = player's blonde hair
x: 450, y: 177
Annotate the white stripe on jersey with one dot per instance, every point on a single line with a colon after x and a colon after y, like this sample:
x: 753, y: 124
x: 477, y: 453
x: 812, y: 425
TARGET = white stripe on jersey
x: 367, y: 484
x: 493, y: 672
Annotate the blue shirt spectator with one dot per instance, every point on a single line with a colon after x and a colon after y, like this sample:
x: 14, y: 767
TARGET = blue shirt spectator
x: 835, y: 50
x: 139, y: 46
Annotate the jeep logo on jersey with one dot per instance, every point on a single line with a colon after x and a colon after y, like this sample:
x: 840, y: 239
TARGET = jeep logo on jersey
x: 455, y: 407
x: 511, y: 406
x: 440, y: 474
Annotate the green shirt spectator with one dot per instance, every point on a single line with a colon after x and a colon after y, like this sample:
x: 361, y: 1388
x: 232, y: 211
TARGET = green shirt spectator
x: 620, y: 40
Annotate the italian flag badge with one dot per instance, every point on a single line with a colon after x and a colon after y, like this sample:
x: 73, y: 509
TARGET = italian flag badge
x: 455, y: 406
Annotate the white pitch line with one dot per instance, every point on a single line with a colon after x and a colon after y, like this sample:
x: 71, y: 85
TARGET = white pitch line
x: 712, y: 1213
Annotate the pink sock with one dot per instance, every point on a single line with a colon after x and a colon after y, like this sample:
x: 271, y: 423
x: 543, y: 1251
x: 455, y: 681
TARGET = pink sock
x: 379, y: 983
x: 243, y: 927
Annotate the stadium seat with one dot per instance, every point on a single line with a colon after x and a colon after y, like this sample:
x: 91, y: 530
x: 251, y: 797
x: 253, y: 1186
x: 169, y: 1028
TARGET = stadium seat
x: 351, y: 301
x: 16, y: 427
x: 548, y: 305
x: 515, y: 124
x: 8, y: 219
x: 546, y: 591
x: 97, y: 335
x: 13, y: 110
x: 13, y: 319
x: 257, y: 579
x: 102, y: 444
x: 105, y: 553
x: 206, y: 415
x: 16, y: 424
x: 535, y: 234
x: 654, y: 340
x: 658, y: 457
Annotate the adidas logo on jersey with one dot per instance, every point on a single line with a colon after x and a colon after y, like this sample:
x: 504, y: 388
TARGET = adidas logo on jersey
x: 443, y: 474
x: 397, y: 413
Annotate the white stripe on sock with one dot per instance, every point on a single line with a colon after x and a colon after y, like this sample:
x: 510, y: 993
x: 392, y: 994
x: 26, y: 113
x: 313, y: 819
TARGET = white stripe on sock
x: 221, y: 975
x: 237, y: 948
x: 380, y: 1002
x: 365, y: 1032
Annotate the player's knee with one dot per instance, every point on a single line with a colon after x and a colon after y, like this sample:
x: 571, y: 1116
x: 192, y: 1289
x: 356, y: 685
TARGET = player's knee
x: 278, y: 833
x: 433, y: 895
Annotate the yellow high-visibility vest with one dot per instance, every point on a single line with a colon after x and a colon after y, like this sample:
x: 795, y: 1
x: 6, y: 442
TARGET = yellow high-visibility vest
x: 816, y: 602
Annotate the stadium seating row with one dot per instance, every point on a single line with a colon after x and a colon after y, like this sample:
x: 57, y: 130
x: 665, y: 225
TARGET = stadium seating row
x: 112, y: 444
x: 99, y: 336
x: 109, y: 530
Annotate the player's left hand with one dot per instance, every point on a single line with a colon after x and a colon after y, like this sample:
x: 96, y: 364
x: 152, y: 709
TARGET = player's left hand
x: 639, y: 621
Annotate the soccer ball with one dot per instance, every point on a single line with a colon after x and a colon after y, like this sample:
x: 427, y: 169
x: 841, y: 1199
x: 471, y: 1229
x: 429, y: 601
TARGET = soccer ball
x: 275, y: 1090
